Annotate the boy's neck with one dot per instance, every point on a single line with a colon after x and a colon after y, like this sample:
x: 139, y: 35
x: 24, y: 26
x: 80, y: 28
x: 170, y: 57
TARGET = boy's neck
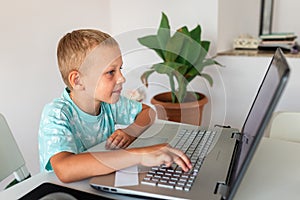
x: 85, y: 104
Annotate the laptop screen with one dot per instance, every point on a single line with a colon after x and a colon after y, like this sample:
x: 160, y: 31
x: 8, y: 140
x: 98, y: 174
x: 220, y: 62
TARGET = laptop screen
x: 259, y: 115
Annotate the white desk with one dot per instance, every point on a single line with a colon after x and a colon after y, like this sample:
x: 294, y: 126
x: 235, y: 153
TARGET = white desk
x: 273, y: 174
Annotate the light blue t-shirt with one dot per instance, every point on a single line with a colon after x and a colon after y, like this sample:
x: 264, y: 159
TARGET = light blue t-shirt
x: 64, y: 127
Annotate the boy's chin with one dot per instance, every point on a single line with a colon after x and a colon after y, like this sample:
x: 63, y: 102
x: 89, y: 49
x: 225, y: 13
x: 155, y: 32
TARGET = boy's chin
x: 115, y: 99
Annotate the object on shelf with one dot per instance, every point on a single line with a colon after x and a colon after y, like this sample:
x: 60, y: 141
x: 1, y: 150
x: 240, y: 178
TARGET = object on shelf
x: 278, y: 36
x: 285, y: 41
x: 245, y: 42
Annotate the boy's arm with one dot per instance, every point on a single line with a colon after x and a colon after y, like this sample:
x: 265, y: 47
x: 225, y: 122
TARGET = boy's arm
x: 70, y: 167
x: 121, y: 138
x: 143, y: 120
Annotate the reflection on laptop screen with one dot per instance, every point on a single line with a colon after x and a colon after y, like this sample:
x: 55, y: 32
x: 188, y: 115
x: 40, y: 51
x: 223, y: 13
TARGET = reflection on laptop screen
x: 261, y: 110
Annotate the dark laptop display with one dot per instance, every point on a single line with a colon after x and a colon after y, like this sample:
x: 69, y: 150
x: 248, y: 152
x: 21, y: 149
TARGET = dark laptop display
x: 259, y: 115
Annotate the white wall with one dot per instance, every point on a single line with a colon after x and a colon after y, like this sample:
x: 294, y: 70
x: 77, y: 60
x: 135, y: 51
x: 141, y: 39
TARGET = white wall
x: 286, y: 17
x: 137, y: 14
x: 29, y: 75
x: 237, y: 17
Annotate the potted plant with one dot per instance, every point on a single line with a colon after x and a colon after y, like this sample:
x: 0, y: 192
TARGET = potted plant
x: 184, y: 58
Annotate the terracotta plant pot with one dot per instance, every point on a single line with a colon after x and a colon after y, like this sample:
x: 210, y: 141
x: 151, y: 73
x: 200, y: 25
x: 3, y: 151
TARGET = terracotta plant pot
x: 189, y: 112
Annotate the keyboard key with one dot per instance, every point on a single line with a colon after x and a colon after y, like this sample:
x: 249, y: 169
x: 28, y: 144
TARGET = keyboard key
x: 154, y: 180
x: 165, y: 185
x: 172, y: 182
x: 181, y: 183
x: 186, y: 188
x: 185, y: 176
x: 170, y: 170
x: 163, y: 181
x: 177, y: 187
x: 148, y: 183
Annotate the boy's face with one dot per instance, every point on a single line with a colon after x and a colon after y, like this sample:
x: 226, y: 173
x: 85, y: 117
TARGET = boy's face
x: 102, y: 74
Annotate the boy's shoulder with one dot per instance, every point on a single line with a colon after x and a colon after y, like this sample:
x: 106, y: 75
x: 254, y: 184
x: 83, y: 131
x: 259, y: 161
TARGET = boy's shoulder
x: 58, y: 105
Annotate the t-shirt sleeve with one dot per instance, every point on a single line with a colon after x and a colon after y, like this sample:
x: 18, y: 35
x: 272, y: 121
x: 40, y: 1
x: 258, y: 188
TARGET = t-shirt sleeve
x: 54, y: 135
x: 126, y: 110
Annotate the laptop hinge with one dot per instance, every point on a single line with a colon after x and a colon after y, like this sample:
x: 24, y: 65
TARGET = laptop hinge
x: 237, y: 136
x: 222, y: 189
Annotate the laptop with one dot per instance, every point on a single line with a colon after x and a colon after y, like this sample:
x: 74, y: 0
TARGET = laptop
x: 225, y: 161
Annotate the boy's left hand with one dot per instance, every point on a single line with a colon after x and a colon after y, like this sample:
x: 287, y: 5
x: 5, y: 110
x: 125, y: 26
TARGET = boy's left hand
x: 119, y: 139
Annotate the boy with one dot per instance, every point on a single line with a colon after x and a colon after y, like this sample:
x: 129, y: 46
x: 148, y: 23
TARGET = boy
x: 90, y: 63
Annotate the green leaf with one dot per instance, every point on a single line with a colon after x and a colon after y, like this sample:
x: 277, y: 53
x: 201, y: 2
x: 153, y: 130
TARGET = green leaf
x: 169, y: 68
x: 191, y: 74
x: 184, y: 30
x: 152, y: 42
x: 172, y: 85
x: 196, y: 34
x: 174, y: 46
x: 209, y: 61
x: 163, y: 34
x: 208, y: 78
x: 217, y: 63
x: 205, y: 44
x: 184, y: 33
x: 161, y: 68
x: 164, y: 22
x: 145, y: 76
x: 182, y: 88
x: 190, y: 49
x: 194, y: 50
x: 178, y: 67
x: 181, y: 69
x: 174, y: 69
x: 199, y: 63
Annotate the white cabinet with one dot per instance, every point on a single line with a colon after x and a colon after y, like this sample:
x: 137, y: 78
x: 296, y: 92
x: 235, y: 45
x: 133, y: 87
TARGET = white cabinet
x: 236, y: 84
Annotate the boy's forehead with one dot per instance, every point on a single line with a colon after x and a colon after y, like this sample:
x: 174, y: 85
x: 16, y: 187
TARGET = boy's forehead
x: 101, y: 55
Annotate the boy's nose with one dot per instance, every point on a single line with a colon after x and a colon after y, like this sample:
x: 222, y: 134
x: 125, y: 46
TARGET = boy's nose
x: 121, y: 79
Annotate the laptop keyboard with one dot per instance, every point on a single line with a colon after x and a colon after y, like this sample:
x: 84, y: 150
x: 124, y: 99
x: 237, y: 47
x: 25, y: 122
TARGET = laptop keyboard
x: 195, y: 144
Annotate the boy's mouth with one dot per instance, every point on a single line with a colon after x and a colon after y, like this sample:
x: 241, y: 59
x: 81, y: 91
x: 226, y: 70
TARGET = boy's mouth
x: 117, y: 90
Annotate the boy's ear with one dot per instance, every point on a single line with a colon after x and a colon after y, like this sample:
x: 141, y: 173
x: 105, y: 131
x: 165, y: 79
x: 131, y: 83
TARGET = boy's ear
x: 74, y: 80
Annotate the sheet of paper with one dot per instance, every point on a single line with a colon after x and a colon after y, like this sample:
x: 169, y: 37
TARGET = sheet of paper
x: 127, y: 177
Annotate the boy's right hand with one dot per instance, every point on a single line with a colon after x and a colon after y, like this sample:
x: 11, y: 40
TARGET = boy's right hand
x: 164, y: 154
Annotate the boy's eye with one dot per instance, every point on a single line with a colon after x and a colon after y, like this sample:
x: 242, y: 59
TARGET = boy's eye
x: 111, y: 72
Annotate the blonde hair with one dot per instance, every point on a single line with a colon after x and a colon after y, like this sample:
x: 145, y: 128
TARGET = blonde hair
x: 75, y: 46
